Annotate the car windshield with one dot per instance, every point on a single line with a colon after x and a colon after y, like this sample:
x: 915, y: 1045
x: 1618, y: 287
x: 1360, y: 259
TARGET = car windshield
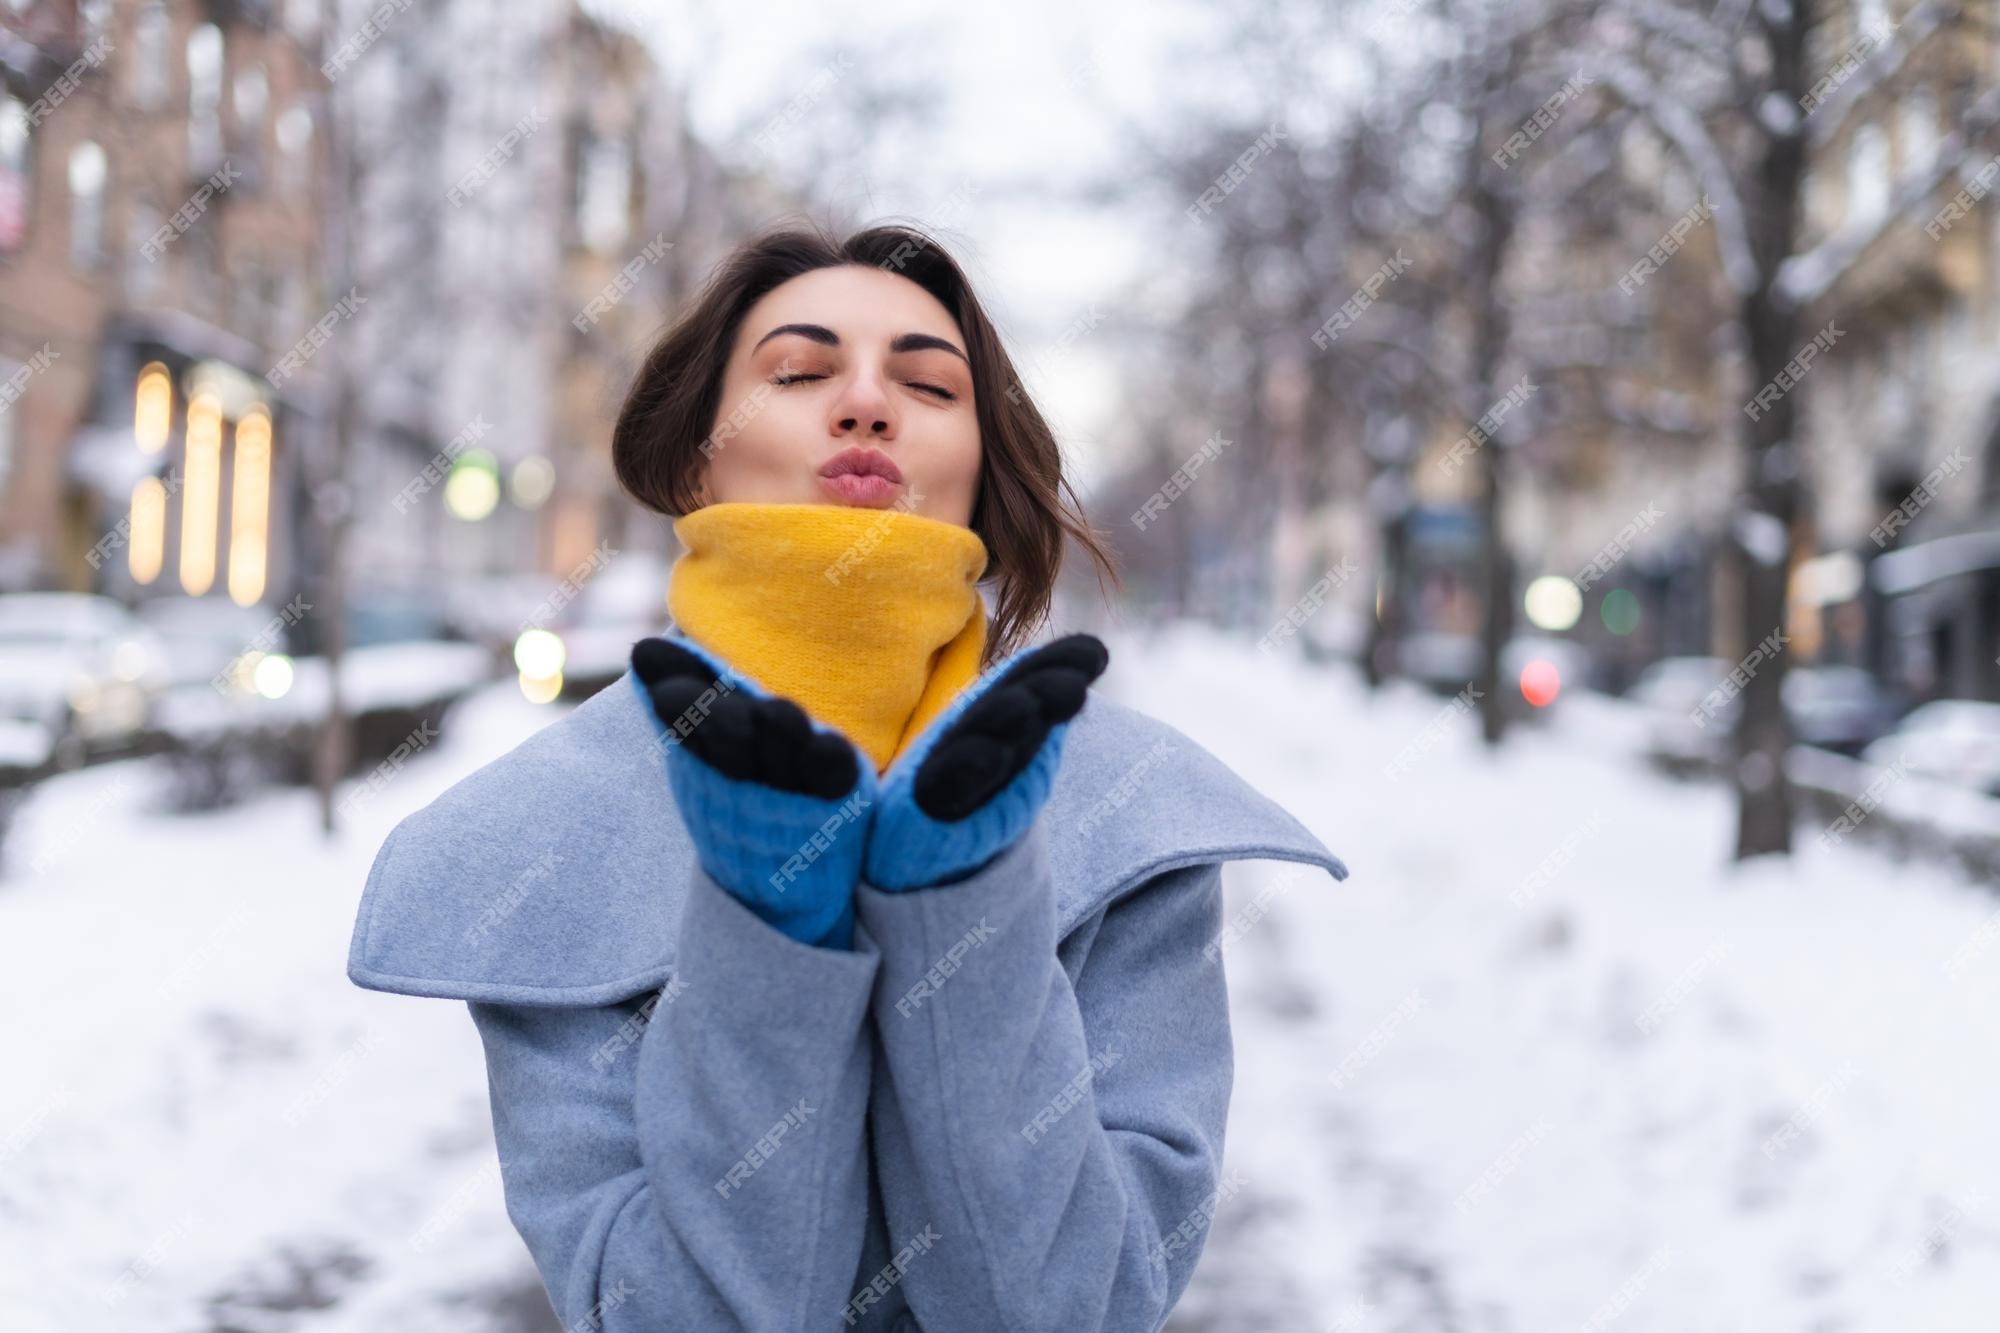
x: 1819, y: 686
x: 1965, y: 719
x: 371, y: 623
x: 42, y: 618
x: 1681, y: 677
x: 205, y: 619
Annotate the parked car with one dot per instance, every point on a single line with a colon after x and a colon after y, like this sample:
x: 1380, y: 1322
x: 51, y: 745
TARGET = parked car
x: 1688, y: 721
x: 1952, y: 740
x: 580, y: 647
x: 1439, y: 660
x: 1839, y: 708
x: 223, y: 721
x: 206, y: 637
x: 82, y: 668
x: 403, y: 666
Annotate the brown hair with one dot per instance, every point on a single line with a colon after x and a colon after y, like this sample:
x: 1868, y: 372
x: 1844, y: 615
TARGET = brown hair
x: 1021, y: 513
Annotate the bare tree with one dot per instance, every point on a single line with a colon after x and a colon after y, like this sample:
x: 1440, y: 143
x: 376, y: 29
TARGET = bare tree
x: 1749, y: 93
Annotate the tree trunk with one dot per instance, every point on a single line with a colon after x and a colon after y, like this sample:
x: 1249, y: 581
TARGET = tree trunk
x: 1493, y: 212
x: 1771, y: 459
x: 332, y: 498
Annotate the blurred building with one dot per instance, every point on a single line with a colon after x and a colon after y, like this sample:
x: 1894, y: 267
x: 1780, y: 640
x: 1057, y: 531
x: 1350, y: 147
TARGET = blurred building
x: 159, y: 253
x: 1902, y: 424
x: 520, y: 204
x: 521, y: 254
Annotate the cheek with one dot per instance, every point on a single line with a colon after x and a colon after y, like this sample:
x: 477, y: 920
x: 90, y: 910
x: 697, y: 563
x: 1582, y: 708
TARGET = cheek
x: 965, y: 454
x: 756, y: 435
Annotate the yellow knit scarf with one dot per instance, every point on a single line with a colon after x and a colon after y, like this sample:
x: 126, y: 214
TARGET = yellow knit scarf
x: 869, y: 619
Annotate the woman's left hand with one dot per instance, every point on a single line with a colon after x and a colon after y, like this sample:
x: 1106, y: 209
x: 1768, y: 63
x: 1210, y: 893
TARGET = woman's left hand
x: 975, y: 779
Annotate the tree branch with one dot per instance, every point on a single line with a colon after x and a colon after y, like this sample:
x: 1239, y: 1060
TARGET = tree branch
x: 1881, y: 67
x: 1686, y: 132
x: 1804, y: 278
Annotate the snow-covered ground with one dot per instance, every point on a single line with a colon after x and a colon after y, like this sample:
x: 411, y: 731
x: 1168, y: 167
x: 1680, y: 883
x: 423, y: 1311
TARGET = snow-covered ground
x: 1545, y: 1062
x: 205, y: 1127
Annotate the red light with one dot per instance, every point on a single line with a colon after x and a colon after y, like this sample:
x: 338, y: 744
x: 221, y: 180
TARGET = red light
x: 1540, y: 683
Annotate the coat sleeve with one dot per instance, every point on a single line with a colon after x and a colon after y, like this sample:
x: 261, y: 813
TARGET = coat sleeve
x: 1061, y: 1141
x: 698, y: 1160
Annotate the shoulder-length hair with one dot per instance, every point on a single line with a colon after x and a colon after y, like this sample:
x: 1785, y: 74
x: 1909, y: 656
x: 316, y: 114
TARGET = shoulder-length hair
x: 1025, y: 506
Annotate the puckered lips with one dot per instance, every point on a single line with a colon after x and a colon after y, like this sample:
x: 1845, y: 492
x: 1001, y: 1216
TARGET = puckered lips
x: 863, y: 476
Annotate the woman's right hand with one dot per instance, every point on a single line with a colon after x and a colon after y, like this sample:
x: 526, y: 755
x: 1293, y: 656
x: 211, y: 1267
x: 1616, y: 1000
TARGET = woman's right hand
x: 777, y: 805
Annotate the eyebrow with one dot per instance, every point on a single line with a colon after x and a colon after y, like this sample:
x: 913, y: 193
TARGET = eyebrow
x: 903, y: 342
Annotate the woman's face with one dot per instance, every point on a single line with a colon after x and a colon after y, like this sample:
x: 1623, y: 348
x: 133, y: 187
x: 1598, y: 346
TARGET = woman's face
x: 843, y: 359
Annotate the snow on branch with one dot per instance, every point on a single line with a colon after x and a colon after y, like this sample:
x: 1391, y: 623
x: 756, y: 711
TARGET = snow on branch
x: 1684, y: 130
x: 1881, y: 67
x: 1693, y: 32
x: 1804, y: 278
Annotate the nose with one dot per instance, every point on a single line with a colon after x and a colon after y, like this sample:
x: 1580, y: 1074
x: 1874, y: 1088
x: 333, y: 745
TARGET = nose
x: 864, y: 406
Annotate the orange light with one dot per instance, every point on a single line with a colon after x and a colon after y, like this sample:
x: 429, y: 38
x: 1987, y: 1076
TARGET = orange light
x: 1540, y: 682
x: 153, y: 409
x: 201, y: 500
x: 249, y: 508
x: 146, y: 542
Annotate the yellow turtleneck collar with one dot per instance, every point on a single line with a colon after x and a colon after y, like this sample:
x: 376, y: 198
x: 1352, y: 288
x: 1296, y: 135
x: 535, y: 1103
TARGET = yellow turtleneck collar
x: 869, y: 619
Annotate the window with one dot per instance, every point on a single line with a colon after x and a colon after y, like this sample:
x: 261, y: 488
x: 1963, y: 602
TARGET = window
x: 1868, y: 174
x: 295, y: 133
x: 246, y: 314
x: 204, y: 70
x: 6, y: 434
x: 604, y: 193
x: 16, y: 175
x: 150, y: 30
x: 142, y: 260
x: 1919, y: 128
x: 253, y: 95
x: 302, y: 17
x: 1822, y: 204
x: 87, y: 172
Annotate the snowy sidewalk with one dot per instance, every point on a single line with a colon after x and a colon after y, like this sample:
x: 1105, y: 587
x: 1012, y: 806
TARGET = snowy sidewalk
x: 208, y: 1126
x: 1545, y: 1062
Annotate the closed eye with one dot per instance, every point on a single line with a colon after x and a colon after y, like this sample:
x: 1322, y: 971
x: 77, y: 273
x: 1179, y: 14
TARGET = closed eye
x: 935, y: 390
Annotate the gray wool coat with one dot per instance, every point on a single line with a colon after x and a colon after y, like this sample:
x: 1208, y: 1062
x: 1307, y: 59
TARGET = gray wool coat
x: 1002, y: 1109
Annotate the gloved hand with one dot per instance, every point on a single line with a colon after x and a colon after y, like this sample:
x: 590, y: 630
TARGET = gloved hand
x: 778, y: 806
x: 973, y: 781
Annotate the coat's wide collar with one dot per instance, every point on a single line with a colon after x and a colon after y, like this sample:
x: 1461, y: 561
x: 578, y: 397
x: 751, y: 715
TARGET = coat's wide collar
x: 555, y: 874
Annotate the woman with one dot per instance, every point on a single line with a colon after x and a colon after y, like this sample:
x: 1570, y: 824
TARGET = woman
x: 841, y: 968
